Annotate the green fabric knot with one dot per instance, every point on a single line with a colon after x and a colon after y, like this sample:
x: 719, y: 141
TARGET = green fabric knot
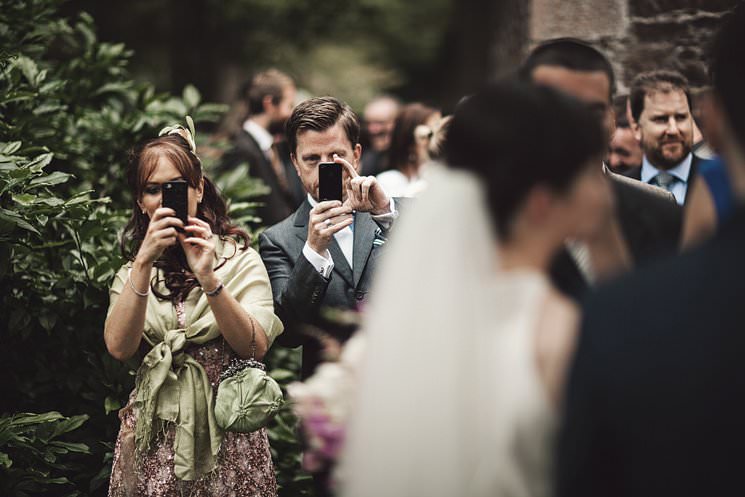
x: 173, y: 387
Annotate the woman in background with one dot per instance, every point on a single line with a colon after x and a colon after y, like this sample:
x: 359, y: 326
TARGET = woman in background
x: 409, y: 149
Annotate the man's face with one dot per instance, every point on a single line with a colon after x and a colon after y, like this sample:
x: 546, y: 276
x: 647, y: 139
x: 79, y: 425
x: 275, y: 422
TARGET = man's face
x: 314, y: 147
x: 379, y: 118
x: 665, y: 128
x: 590, y: 87
x: 281, y: 112
x: 625, y: 152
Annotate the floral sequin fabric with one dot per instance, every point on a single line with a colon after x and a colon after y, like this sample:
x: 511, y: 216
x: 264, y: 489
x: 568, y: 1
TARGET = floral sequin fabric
x: 244, y: 465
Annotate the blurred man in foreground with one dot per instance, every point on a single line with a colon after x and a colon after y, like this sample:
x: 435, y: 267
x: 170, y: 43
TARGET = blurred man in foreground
x: 654, y: 404
x: 646, y: 222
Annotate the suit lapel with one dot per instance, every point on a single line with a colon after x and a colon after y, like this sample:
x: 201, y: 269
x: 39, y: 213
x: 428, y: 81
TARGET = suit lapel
x: 341, y: 265
x: 364, y: 234
x: 301, y: 231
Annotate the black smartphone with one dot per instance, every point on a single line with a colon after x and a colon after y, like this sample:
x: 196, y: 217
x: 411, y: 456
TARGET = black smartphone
x: 175, y: 197
x: 329, y: 181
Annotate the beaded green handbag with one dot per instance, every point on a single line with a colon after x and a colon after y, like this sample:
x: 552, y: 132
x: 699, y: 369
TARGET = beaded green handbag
x: 247, y: 398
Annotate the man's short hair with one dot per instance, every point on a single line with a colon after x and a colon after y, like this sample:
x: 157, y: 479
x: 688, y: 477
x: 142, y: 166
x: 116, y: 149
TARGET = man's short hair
x: 320, y: 114
x: 271, y: 82
x: 653, y: 81
x: 569, y: 53
x: 728, y: 72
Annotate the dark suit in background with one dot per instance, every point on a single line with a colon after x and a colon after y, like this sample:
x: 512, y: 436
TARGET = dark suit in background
x: 299, y: 289
x: 655, y: 403
x: 283, y: 198
x: 650, y: 222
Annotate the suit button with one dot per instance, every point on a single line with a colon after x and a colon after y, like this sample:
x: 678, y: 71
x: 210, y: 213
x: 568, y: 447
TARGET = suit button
x: 359, y: 295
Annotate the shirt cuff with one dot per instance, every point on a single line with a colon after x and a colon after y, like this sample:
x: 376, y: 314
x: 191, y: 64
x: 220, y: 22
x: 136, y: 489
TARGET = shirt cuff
x: 385, y: 221
x: 324, y: 264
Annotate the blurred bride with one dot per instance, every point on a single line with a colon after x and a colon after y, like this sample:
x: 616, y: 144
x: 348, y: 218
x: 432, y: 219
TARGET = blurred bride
x: 465, y: 341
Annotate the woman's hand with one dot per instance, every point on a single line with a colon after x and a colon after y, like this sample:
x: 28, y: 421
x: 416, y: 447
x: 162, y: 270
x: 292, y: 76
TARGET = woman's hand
x: 199, y: 247
x: 161, y: 234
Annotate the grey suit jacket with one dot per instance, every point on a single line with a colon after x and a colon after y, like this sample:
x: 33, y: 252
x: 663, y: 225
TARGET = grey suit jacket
x: 300, y: 291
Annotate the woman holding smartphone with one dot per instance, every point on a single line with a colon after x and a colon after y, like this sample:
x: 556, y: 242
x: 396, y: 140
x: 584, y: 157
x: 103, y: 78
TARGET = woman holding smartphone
x: 192, y: 296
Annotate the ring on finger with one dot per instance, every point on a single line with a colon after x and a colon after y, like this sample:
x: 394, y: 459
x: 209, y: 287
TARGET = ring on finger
x: 329, y: 223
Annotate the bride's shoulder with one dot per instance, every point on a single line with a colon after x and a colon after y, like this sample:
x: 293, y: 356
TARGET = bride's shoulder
x: 555, y: 338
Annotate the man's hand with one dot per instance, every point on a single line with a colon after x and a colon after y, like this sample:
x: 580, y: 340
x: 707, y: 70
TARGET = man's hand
x: 326, y: 219
x: 364, y: 194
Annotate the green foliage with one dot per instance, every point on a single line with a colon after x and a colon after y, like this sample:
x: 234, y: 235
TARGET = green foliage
x: 284, y: 366
x: 33, y: 453
x: 69, y: 111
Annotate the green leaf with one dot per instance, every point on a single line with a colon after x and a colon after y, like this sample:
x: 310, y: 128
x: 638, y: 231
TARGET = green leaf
x: 54, y: 178
x: 191, y: 97
x: 111, y: 404
x: 14, y: 218
x: 28, y: 68
x: 84, y: 28
x: 25, y: 199
x: 77, y: 447
x: 5, y: 461
x: 47, y: 320
x: 40, y: 162
x: 11, y: 148
x: 114, y: 87
x: 282, y: 375
x: 25, y: 419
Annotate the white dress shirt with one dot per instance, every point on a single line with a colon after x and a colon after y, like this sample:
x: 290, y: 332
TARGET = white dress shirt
x: 262, y: 136
x: 323, y: 263
x: 681, y: 172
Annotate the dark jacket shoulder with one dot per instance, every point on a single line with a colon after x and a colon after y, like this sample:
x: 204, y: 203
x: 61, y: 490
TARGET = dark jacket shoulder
x: 651, y: 219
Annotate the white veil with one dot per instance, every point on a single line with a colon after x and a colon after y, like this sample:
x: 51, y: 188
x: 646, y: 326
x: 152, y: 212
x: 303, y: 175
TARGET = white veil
x: 418, y: 425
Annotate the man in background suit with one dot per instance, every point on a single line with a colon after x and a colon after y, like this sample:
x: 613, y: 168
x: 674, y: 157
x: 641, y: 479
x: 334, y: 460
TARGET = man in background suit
x: 647, y: 220
x: 655, y: 402
x: 270, y: 98
x: 324, y: 254
x: 660, y: 104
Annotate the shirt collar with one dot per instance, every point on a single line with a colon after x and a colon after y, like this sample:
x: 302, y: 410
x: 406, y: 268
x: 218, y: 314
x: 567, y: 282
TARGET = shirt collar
x: 680, y: 171
x: 262, y: 136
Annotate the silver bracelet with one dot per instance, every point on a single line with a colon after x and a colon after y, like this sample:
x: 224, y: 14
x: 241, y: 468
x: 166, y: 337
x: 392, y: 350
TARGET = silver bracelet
x: 216, y: 291
x: 132, y: 286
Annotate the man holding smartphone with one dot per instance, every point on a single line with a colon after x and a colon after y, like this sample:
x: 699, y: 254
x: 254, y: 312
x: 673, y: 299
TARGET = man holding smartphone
x: 324, y: 254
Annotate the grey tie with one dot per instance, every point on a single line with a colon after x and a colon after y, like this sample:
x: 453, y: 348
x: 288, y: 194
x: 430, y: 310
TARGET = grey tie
x: 664, y: 180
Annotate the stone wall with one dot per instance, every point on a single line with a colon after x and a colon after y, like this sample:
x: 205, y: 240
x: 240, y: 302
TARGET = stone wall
x: 637, y: 35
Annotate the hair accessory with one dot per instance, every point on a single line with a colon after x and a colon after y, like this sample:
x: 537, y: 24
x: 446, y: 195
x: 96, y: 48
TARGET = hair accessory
x: 132, y: 286
x: 187, y: 134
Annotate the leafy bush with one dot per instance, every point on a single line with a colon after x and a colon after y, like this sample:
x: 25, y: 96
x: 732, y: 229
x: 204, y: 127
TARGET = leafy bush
x: 68, y: 113
x: 30, y: 452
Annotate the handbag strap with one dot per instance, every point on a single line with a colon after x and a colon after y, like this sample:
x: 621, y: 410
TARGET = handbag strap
x: 237, y: 364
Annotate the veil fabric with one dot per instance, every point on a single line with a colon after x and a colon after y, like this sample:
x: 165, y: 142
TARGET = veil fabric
x: 419, y: 425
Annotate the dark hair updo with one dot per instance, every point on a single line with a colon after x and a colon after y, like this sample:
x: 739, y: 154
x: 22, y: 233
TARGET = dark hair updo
x: 515, y: 135
x: 172, y: 265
